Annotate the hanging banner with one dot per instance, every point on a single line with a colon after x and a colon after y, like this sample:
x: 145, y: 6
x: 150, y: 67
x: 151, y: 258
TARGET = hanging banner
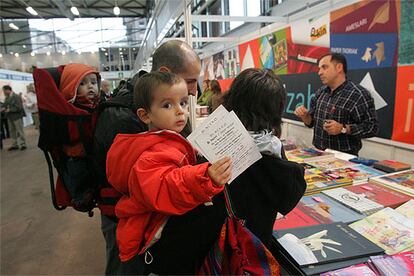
x: 249, y: 54
x: 406, y: 46
x: 404, y: 106
x: 369, y: 16
x: 312, y: 31
x: 366, y: 50
x: 231, y: 62
x: 304, y: 58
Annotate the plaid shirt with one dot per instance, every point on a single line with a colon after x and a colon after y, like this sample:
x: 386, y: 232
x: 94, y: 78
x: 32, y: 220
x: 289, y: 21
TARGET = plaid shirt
x: 349, y: 104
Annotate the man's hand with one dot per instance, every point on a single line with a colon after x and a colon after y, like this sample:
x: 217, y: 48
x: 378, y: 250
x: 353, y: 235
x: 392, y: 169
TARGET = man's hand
x: 220, y: 171
x: 332, y: 127
x: 303, y: 114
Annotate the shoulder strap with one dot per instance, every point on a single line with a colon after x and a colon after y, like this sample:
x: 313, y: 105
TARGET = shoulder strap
x: 55, y: 73
x: 229, y: 204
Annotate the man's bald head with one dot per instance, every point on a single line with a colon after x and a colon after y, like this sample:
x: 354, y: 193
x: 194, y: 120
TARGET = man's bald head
x: 106, y: 86
x: 178, y: 57
x: 175, y: 55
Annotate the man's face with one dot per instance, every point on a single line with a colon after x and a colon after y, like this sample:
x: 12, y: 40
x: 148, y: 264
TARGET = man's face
x: 328, y: 71
x: 6, y: 92
x: 191, y: 76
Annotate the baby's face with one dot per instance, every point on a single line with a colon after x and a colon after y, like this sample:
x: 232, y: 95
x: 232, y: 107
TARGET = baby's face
x: 88, y: 87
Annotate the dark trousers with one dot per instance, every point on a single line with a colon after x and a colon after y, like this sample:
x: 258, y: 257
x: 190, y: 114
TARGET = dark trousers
x: 113, y: 263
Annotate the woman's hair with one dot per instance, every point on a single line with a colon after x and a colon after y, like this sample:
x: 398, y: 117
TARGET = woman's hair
x: 258, y: 98
x: 215, y: 87
x: 148, y: 83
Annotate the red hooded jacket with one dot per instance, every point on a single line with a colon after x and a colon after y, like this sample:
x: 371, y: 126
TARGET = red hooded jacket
x: 156, y: 174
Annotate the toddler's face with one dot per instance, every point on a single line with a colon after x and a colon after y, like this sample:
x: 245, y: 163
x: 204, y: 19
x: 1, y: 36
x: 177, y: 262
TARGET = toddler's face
x: 169, y: 109
x: 88, y: 88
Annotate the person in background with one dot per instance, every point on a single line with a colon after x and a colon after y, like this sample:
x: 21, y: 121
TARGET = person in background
x: 119, y: 87
x: 271, y: 185
x: 205, y: 98
x: 156, y: 171
x: 341, y: 112
x: 4, y: 127
x: 31, y: 104
x: 119, y: 116
x: 217, y: 97
x: 105, y: 91
x: 13, y: 107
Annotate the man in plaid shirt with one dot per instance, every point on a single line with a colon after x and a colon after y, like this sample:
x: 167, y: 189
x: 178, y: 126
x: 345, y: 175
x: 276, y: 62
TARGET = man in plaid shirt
x: 341, y: 112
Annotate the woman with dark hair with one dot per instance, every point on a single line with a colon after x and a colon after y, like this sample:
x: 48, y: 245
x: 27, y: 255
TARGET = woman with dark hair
x: 216, y: 97
x: 271, y: 185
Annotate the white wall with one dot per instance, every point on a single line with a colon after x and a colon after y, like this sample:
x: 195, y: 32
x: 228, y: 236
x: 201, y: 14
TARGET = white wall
x: 374, y: 148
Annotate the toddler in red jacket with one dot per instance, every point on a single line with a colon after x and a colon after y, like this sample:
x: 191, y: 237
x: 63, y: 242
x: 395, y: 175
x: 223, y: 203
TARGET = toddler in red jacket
x: 155, y: 170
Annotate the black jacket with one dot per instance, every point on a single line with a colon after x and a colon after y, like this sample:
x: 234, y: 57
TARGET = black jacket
x: 115, y: 116
x: 269, y: 186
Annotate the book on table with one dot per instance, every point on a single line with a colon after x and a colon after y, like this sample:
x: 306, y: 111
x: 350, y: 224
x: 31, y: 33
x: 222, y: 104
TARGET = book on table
x: 316, y: 209
x: 330, y: 163
x: 324, y: 243
x: 318, y: 180
x: 380, y: 194
x: 398, y: 264
x: 354, y: 201
x: 358, y: 173
x: 301, y: 155
x: 401, y: 181
x: 391, y: 166
x: 407, y: 209
x: 388, y: 229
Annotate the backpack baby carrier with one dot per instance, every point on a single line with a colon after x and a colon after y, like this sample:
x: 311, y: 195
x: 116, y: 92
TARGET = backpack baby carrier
x: 63, y: 125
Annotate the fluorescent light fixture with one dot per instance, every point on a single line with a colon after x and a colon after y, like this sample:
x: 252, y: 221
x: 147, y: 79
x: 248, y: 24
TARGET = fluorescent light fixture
x: 16, y: 54
x: 103, y: 49
x: 74, y: 10
x: 31, y: 11
x: 24, y: 46
x: 13, y: 26
x: 1, y: 55
x: 48, y: 53
x: 32, y: 54
x: 117, y: 10
x: 63, y: 53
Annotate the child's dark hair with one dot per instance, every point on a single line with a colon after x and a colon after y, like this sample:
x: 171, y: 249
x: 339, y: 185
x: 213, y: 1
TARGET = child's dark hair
x: 258, y: 98
x: 148, y: 83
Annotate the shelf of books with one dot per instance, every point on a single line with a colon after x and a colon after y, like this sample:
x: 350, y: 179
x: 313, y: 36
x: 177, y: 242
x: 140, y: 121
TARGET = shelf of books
x: 356, y: 218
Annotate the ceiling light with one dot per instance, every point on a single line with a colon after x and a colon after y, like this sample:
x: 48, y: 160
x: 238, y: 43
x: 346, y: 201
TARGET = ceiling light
x: 48, y: 53
x: 74, y: 10
x: 31, y: 11
x: 133, y: 49
x: 13, y: 26
x: 117, y: 10
x: 24, y: 46
x: 103, y: 49
x: 92, y: 52
x: 32, y: 54
x: 1, y: 55
x: 16, y: 54
x: 63, y: 53
x: 50, y: 46
x: 79, y: 52
x: 11, y: 53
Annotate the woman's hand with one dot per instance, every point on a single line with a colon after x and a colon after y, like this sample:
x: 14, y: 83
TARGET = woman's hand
x: 220, y: 171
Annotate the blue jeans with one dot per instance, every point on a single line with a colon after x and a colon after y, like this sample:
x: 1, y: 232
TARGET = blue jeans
x: 113, y: 263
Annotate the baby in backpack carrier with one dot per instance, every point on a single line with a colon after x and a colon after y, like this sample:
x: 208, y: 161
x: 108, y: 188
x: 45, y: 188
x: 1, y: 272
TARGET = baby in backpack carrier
x: 79, y: 85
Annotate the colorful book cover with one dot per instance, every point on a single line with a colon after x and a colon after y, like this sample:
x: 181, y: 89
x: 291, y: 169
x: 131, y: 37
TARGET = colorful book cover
x: 354, y: 201
x: 306, y: 154
x: 407, y: 209
x: 355, y: 270
x: 391, y: 166
x: 318, y: 269
x: 400, y: 181
x: 317, y: 180
x: 330, y: 163
x: 388, y: 229
x: 324, y: 243
x: 398, y: 264
x: 358, y: 173
x: 380, y: 194
x: 317, y: 209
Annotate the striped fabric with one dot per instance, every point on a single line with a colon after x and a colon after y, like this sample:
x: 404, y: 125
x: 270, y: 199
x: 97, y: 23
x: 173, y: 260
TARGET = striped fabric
x: 238, y: 251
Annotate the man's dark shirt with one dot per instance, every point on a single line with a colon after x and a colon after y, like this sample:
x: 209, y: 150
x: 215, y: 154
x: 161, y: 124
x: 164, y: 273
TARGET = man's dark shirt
x: 349, y: 104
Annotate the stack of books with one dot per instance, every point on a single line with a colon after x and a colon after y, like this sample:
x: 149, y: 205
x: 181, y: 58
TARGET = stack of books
x: 401, y: 181
x: 302, y: 155
x: 391, y: 166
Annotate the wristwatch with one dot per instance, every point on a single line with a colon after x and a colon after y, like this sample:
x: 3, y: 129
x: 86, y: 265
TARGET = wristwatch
x: 343, y: 130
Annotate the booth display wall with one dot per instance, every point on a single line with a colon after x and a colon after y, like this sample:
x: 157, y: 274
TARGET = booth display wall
x: 373, y: 35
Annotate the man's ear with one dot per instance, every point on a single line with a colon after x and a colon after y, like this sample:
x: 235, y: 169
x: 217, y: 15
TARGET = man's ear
x: 164, y: 69
x: 143, y: 116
